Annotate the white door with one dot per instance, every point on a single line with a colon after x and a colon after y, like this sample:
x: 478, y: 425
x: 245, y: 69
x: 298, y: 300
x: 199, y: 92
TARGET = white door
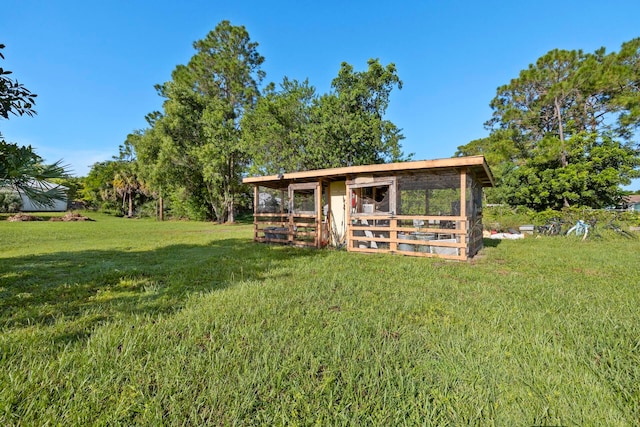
x: 337, y: 219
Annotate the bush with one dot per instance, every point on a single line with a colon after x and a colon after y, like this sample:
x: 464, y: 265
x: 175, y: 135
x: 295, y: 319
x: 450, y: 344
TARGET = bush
x: 502, y: 217
x: 10, y: 201
x: 183, y: 207
x: 147, y: 210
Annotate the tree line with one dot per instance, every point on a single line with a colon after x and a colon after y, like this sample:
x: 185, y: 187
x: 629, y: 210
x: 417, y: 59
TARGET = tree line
x: 561, y: 134
x: 217, y: 126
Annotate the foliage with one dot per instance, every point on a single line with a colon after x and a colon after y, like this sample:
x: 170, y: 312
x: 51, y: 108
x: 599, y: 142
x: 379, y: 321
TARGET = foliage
x: 126, y: 182
x: 183, y: 205
x: 503, y: 217
x: 198, y: 135
x: 277, y: 133
x: 188, y: 323
x: 149, y: 209
x: 216, y: 126
x: 152, y: 147
x: 22, y: 169
x: 14, y: 97
x: 592, y: 176
x: 351, y: 129
x: 294, y: 129
x: 74, y: 185
x: 562, y: 132
x: 98, y: 189
x: 115, y: 185
x: 10, y: 201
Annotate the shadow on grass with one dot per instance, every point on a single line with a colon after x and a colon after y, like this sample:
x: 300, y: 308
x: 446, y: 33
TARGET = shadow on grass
x: 491, y: 243
x: 90, y: 287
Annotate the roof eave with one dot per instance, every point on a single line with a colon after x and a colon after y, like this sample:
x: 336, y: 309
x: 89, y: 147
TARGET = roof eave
x: 455, y: 162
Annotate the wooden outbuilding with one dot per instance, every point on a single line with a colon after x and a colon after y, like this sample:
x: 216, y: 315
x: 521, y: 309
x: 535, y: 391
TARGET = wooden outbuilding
x: 428, y: 208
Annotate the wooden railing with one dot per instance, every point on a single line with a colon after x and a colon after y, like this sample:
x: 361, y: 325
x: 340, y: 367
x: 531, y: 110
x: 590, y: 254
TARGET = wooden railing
x: 426, y: 236
x: 449, y: 237
x: 298, y: 229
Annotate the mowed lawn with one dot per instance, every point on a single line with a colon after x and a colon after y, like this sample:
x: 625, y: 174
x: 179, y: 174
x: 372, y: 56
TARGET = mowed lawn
x: 136, y: 322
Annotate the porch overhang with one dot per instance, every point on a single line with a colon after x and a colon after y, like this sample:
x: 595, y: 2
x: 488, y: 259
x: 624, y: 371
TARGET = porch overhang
x: 475, y: 165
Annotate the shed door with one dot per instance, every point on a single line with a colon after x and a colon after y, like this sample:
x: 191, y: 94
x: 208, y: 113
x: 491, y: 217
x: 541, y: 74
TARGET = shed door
x: 337, y: 219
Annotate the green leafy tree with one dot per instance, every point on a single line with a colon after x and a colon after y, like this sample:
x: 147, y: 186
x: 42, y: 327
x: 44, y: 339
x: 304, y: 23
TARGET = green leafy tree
x: 127, y: 182
x: 14, y: 97
x: 564, y: 120
x: 504, y: 150
x: 151, y: 146
x: 98, y: 191
x: 206, y: 100
x: 294, y: 129
x: 621, y: 80
x: 20, y: 167
x: 596, y: 168
x: 126, y: 185
x: 23, y: 170
x: 74, y: 186
x: 116, y: 184
x: 349, y: 126
x: 277, y: 132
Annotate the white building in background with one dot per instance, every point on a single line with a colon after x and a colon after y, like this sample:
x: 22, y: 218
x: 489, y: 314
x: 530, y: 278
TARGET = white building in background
x: 29, y: 205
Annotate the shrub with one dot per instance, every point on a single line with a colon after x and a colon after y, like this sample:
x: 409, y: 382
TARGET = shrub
x: 502, y: 217
x: 10, y: 201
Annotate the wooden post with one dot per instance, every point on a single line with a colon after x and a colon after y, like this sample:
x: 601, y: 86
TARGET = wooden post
x: 292, y: 209
x: 347, y: 216
x: 463, y: 213
x: 282, y: 198
x: 282, y: 208
x: 393, y: 234
x: 318, y: 203
x: 256, y: 203
x: 329, y: 225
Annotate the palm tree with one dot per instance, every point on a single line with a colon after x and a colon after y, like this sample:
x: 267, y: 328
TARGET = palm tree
x: 127, y: 184
x: 20, y: 167
x: 23, y: 170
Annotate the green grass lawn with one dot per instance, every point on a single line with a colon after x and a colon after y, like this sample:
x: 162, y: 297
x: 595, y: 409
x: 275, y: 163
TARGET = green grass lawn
x: 135, y: 322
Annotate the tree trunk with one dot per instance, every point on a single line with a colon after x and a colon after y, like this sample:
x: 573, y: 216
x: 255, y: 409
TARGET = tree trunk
x: 230, y: 214
x: 130, y: 204
x: 161, y: 209
x: 216, y: 213
x: 563, y: 153
x: 563, y: 148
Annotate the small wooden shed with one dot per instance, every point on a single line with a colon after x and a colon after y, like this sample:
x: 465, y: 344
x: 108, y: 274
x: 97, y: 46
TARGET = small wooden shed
x: 428, y: 208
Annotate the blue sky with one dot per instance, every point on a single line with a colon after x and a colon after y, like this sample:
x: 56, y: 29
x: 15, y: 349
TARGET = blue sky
x: 93, y: 64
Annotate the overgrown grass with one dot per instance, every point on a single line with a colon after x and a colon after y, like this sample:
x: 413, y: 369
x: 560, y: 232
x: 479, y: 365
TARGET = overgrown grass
x: 135, y: 322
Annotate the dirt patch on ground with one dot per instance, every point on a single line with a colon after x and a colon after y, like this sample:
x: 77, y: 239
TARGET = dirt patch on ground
x: 23, y: 217
x: 68, y: 217
x: 71, y: 217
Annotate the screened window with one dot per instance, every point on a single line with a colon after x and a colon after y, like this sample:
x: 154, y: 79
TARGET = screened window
x: 304, y: 201
x: 302, y: 198
x: 373, y: 198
